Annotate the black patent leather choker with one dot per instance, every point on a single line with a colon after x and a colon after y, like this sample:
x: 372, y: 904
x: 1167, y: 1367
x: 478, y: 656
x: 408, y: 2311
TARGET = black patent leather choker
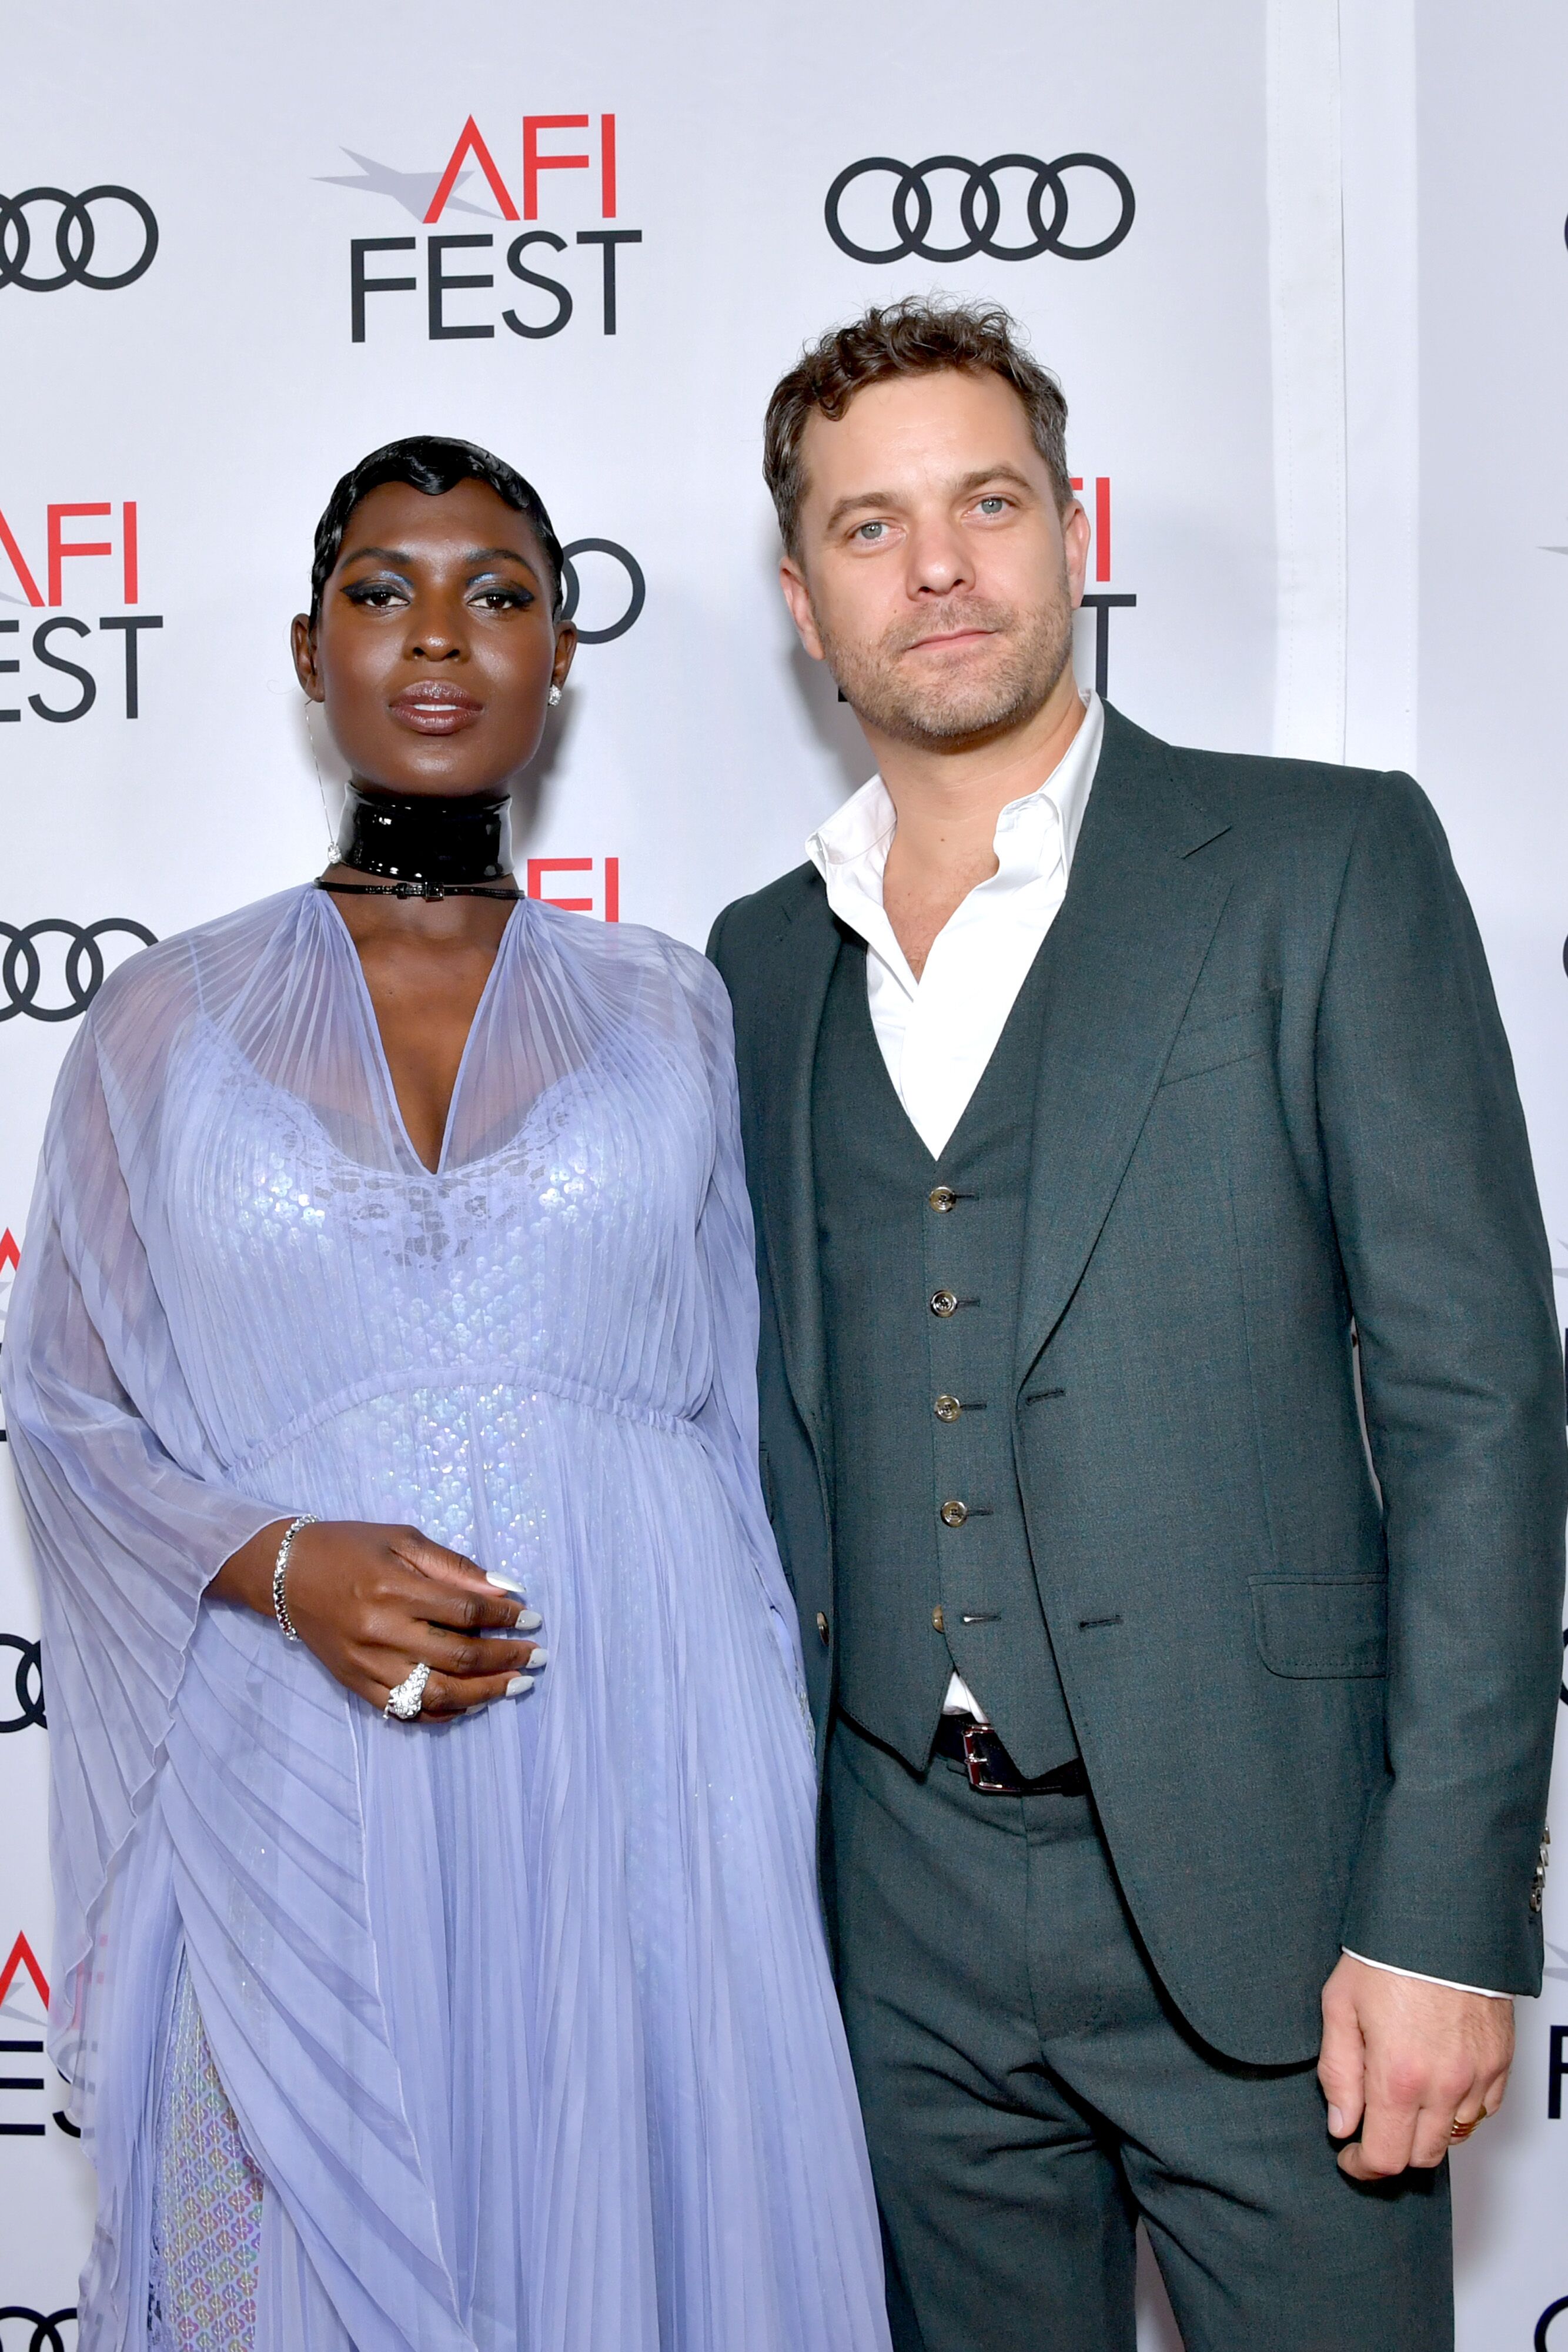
x: 425, y: 849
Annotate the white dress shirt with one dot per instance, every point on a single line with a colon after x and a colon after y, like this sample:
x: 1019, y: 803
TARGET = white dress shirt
x: 937, y: 1033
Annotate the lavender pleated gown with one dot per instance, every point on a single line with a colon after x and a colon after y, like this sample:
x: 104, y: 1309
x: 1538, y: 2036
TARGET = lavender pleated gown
x: 527, y: 2018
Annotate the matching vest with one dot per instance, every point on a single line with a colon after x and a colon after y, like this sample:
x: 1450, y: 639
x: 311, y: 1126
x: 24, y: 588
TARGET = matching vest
x: 920, y: 1261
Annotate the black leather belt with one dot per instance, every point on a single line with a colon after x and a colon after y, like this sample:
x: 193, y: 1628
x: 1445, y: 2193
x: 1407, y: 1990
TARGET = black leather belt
x: 961, y: 1740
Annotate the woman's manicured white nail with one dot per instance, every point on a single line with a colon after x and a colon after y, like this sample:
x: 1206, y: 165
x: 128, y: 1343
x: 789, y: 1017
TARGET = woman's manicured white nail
x: 537, y: 1657
x: 529, y: 1621
x: 506, y: 1584
x: 519, y: 1684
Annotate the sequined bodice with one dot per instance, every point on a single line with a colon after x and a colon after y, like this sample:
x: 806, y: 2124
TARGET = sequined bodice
x: 554, y: 1249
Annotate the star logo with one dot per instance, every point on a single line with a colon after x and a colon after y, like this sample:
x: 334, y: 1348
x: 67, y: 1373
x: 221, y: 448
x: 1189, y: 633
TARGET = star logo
x: 414, y: 190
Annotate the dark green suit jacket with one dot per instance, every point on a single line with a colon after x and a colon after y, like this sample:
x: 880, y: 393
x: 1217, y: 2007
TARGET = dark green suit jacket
x: 1274, y: 1108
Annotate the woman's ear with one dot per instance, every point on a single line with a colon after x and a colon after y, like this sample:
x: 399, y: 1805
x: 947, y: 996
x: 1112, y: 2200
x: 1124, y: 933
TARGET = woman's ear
x: 302, y: 637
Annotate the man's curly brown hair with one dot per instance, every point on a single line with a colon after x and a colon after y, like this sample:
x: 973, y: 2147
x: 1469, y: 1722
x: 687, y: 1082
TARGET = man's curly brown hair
x: 918, y: 336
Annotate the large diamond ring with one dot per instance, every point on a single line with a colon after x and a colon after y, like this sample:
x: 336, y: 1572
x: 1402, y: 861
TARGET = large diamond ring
x: 405, y: 1702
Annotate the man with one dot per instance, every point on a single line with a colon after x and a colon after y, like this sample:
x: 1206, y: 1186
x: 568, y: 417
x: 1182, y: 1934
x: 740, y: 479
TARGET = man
x: 1107, y: 1105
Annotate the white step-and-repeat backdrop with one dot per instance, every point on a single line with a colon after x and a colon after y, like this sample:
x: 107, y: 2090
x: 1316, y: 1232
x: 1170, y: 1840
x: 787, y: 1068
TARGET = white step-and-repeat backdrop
x: 1305, y: 283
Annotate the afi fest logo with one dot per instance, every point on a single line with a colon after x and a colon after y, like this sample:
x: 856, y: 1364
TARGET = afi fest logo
x: 24, y: 2011
x: 1009, y: 208
x: 1099, y: 599
x: 104, y: 238
x: 541, y: 304
x: 62, y: 673
x: 603, y: 889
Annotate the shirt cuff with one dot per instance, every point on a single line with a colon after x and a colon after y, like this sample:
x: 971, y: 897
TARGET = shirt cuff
x: 1390, y: 1970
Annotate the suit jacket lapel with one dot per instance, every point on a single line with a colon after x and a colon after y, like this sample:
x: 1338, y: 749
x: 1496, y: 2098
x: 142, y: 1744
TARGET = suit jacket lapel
x: 1126, y: 950
x: 805, y: 951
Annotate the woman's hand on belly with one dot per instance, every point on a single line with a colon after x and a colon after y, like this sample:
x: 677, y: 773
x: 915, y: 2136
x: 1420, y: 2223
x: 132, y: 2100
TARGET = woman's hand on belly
x: 374, y: 1601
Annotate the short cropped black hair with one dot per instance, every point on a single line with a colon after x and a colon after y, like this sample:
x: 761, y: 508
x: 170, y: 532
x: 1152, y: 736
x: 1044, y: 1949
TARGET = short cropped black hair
x: 433, y: 462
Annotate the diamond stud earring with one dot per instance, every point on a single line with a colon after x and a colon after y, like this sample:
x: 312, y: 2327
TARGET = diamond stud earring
x: 554, y: 696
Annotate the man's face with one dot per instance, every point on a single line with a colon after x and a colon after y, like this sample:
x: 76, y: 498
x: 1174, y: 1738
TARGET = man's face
x: 935, y: 575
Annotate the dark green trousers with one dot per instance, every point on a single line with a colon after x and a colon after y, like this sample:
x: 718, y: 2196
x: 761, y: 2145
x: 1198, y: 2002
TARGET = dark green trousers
x: 1030, y: 2092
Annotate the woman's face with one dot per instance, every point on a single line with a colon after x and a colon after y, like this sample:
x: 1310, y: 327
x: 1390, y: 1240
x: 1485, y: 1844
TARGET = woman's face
x: 436, y: 651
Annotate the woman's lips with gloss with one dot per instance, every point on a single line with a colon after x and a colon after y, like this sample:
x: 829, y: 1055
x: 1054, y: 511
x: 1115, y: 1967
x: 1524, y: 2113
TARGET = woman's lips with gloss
x: 436, y: 709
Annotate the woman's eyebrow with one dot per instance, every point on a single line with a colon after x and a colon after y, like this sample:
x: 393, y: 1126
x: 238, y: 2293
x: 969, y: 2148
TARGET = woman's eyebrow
x: 512, y: 554
x: 402, y: 557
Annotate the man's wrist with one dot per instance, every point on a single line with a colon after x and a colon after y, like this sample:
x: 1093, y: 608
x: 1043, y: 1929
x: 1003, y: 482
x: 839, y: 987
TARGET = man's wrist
x: 1389, y: 1968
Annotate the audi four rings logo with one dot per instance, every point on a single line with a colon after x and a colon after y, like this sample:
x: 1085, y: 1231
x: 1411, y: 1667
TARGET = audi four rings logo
x: 636, y: 591
x: 15, y: 2317
x: 79, y: 222
x: 45, y: 2328
x: 29, y: 1683
x: 22, y: 967
x: 912, y: 208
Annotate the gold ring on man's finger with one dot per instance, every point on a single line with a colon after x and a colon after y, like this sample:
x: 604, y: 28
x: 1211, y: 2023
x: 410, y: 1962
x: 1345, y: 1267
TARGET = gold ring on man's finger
x: 1458, y: 2131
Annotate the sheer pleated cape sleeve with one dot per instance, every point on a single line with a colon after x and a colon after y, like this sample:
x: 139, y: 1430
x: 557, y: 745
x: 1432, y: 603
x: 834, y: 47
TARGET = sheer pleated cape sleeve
x: 726, y: 1253
x: 129, y: 1516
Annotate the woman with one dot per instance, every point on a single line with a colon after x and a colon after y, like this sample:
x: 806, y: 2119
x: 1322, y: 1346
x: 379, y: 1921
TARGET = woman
x: 386, y: 1322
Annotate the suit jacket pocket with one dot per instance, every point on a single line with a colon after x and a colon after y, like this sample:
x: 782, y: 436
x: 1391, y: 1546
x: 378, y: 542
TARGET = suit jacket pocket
x: 1318, y: 1627
x: 1220, y: 1038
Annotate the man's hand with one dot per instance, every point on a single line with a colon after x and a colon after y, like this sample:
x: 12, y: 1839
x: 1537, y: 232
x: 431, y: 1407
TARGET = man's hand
x: 1406, y: 2060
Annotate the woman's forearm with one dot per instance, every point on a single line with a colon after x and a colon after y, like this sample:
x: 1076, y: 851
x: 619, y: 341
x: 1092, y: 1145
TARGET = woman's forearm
x: 246, y: 1575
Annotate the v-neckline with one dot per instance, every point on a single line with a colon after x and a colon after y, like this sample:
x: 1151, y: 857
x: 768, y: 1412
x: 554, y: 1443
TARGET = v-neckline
x: 379, y: 1045
x: 1032, y: 978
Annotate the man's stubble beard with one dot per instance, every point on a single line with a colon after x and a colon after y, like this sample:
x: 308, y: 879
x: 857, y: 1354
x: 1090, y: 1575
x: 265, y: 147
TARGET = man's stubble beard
x: 946, y: 714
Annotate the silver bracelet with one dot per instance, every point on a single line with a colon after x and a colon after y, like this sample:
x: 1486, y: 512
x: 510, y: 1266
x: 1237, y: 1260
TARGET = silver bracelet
x: 281, y: 1570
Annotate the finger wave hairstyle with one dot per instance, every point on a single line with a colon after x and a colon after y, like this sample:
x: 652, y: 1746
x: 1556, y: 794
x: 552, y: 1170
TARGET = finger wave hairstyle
x: 433, y: 462
x: 918, y: 336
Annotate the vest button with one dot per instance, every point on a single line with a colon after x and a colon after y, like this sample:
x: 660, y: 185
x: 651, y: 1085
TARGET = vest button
x: 947, y: 1408
x: 944, y: 1302
x: 942, y: 1197
x: 955, y: 1514
x: 822, y: 1624
x: 938, y: 1622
